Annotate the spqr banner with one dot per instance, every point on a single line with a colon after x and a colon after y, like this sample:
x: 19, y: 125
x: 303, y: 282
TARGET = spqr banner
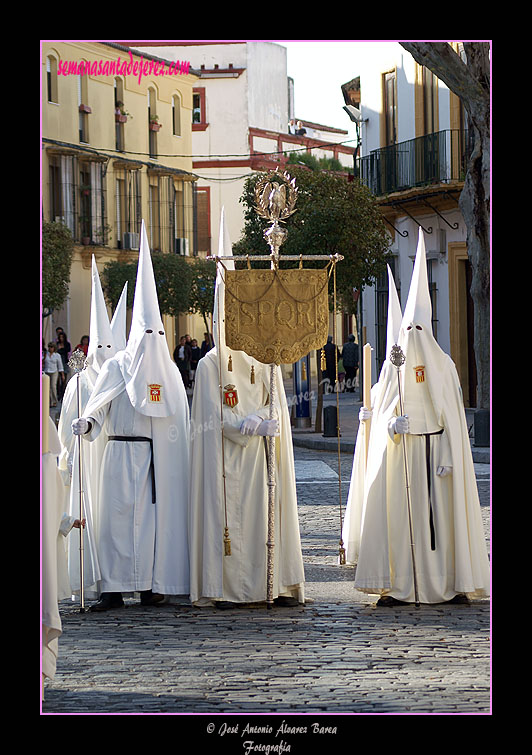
x: 276, y: 316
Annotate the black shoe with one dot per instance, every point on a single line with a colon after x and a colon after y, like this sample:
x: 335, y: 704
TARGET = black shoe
x: 286, y: 601
x: 388, y: 601
x: 107, y: 601
x: 225, y: 605
x: 460, y: 599
x: 149, y: 598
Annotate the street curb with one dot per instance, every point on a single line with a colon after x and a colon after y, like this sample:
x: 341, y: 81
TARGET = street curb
x: 480, y: 455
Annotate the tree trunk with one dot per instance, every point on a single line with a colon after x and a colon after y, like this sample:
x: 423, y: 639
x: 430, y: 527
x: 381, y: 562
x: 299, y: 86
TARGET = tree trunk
x: 471, y: 82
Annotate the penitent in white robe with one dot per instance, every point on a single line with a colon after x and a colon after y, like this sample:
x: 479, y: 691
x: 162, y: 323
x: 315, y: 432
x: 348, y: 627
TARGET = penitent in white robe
x: 91, y: 465
x: 459, y: 562
x: 456, y: 560
x: 54, y: 577
x: 105, y: 339
x: 242, y: 576
x: 142, y: 545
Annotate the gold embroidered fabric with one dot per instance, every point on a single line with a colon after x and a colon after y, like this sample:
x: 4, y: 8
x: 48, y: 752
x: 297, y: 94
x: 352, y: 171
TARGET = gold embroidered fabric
x: 276, y: 316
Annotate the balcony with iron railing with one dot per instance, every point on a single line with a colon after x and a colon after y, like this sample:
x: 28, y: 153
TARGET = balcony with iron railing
x: 437, y: 158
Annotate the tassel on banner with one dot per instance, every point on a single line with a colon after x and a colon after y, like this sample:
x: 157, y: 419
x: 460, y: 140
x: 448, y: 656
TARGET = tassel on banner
x: 303, y: 371
x: 230, y: 364
x: 323, y: 365
x: 341, y: 552
x: 252, y: 376
x: 227, y: 542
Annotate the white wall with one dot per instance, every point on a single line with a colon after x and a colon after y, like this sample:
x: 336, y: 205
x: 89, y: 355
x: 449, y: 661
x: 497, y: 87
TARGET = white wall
x: 267, y: 86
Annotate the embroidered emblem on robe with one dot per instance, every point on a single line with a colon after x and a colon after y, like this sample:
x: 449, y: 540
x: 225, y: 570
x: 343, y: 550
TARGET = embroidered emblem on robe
x: 420, y: 373
x: 230, y: 395
x: 155, y: 392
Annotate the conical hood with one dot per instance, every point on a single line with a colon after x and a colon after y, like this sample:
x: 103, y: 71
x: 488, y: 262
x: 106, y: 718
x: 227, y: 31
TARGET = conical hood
x: 424, y: 359
x: 146, y: 313
x: 150, y: 374
x: 224, y: 249
x: 118, y: 322
x: 394, y: 314
x: 102, y: 344
x: 418, y: 307
x: 249, y: 394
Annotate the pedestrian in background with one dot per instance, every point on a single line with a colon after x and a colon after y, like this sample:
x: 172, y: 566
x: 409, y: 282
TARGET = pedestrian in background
x: 64, y: 350
x: 195, y: 356
x: 350, y: 361
x: 332, y: 353
x: 206, y: 344
x: 53, y: 367
x: 83, y: 345
x: 182, y: 359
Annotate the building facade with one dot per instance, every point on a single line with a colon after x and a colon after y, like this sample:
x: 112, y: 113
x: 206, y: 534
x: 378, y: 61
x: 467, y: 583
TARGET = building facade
x: 116, y: 150
x: 413, y: 156
x: 243, y: 101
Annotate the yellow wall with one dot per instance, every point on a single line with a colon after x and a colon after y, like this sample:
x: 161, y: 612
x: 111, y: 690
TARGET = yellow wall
x: 60, y: 123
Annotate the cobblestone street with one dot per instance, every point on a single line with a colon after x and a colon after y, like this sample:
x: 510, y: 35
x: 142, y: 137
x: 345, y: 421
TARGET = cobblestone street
x: 338, y: 654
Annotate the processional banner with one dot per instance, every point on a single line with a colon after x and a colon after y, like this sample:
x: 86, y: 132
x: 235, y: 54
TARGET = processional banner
x: 276, y: 316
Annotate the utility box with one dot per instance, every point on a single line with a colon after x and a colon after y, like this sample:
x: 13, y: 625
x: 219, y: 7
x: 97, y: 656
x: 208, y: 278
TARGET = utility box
x: 330, y: 422
x: 482, y: 428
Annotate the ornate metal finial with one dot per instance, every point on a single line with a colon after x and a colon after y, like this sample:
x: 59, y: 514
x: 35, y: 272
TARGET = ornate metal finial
x: 77, y: 360
x: 275, y: 199
x: 397, y: 357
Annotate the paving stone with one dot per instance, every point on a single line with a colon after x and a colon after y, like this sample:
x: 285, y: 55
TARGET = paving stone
x: 337, y: 654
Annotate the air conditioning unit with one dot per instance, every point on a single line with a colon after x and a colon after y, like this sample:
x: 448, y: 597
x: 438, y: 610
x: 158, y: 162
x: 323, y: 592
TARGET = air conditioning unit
x: 130, y: 241
x: 181, y: 247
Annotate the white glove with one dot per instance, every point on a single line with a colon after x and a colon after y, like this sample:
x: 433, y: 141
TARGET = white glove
x: 80, y: 426
x: 444, y: 471
x: 250, y: 424
x: 364, y: 413
x: 400, y: 425
x: 268, y: 427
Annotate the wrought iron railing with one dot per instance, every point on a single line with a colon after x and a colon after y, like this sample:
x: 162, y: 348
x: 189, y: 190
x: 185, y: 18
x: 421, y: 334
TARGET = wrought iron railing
x: 431, y: 159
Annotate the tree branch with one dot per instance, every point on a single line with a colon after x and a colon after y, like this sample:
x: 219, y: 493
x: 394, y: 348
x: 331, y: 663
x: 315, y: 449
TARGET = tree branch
x: 469, y: 82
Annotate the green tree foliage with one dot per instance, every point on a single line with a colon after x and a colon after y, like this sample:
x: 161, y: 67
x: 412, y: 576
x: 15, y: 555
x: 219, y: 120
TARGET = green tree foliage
x: 183, y: 284
x: 334, y: 216
x: 57, y: 251
x: 202, y: 288
x: 311, y: 161
x: 114, y: 276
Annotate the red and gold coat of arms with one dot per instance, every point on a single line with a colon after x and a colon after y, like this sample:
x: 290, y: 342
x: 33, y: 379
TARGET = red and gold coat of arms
x: 420, y: 373
x: 155, y: 392
x: 230, y: 395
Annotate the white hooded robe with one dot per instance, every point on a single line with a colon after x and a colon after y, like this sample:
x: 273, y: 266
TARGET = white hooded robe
x: 457, y: 561
x: 351, y: 530
x: 139, y: 393
x: 54, y: 576
x: 105, y: 339
x: 242, y: 576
